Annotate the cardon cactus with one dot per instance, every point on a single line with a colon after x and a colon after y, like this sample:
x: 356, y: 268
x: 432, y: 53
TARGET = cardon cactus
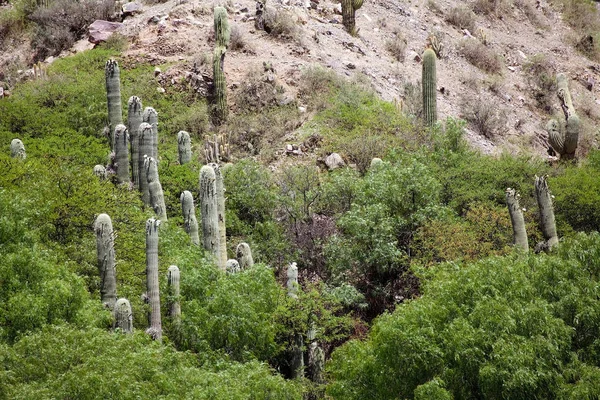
x: 121, y: 154
x: 209, y: 212
x: 113, y: 96
x: 232, y: 266
x: 222, y: 31
x: 157, y: 198
x: 547, y: 222
x: 184, y: 149
x: 145, y: 150
x: 123, y: 316
x: 429, y: 87
x: 297, y: 357
x: 317, y: 363
x: 292, y: 280
x: 173, y: 296
x: 220, y: 86
x: 517, y: 220
x: 100, y: 171
x: 564, y: 141
x: 153, y: 295
x: 105, y: 250
x: 221, y: 214
x: 190, y: 223
x: 244, y: 255
x: 349, y: 8
x: 134, y: 120
x: 17, y: 149
x: 150, y: 116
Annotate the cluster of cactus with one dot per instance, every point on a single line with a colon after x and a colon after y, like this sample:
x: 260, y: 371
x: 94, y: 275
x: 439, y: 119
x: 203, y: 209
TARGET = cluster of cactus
x: 184, y: 148
x: 217, y: 149
x: 563, y: 140
x: 222, y: 33
x: 429, y: 82
x: 100, y: 171
x: 113, y: 96
x: 150, y: 116
x: 145, y: 139
x: 17, y: 149
x: 105, y: 250
x: 152, y: 287
x: 349, y: 8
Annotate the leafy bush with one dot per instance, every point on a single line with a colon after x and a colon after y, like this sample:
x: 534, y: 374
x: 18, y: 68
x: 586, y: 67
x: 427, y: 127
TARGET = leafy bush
x: 511, y: 327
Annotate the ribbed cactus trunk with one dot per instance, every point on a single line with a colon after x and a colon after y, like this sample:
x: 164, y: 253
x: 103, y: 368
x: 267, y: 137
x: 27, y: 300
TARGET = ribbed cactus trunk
x: 123, y: 316
x: 150, y: 116
x: 517, y: 220
x: 349, y: 8
x: 297, y: 354
x: 317, y: 363
x: 220, y: 86
x: 113, y: 96
x: 564, y: 143
x: 244, y: 255
x: 105, y: 251
x: 220, y: 186
x: 209, y: 212
x: 121, y: 154
x: 174, y: 306
x: 184, y: 149
x: 155, y: 329
x: 546, y: 208
x: 145, y: 150
x: 429, y: 86
x: 190, y: 223
x: 17, y: 149
x: 292, y: 280
x: 222, y: 31
x: 134, y: 120
x: 157, y: 197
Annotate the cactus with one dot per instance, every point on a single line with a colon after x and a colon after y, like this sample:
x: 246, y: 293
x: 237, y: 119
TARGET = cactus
x: 184, y: 150
x: 123, y: 316
x: 113, y: 96
x: 190, y: 223
x: 292, y: 280
x: 173, y: 284
x: 429, y: 82
x: 105, y: 250
x: 153, y: 295
x: 145, y: 150
x: 150, y: 116
x: 222, y: 31
x: 547, y: 223
x: 349, y: 8
x: 121, y: 153
x: 209, y: 211
x: 564, y: 142
x: 134, y: 120
x: 216, y: 150
x: 316, y: 363
x: 376, y: 162
x: 157, y: 198
x: 100, y: 171
x: 244, y: 256
x: 17, y: 149
x: 221, y: 214
x: 297, y: 357
x: 220, y: 86
x: 517, y: 220
x: 232, y: 266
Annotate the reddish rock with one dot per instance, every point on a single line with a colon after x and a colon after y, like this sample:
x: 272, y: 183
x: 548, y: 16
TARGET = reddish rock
x: 100, y: 31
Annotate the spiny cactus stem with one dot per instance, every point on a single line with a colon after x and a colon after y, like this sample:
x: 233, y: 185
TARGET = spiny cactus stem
x: 155, y: 329
x: 209, y: 211
x: 517, y: 220
x: 544, y: 200
x: 429, y: 85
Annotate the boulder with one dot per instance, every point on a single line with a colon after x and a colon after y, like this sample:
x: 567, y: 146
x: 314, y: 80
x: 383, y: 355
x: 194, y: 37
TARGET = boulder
x: 333, y: 161
x: 131, y: 8
x: 100, y: 31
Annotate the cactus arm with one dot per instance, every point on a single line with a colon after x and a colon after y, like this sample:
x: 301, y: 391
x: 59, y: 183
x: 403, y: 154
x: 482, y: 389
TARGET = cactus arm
x: 517, y: 220
x: 174, y: 307
x: 428, y: 83
x: 220, y: 85
x: 155, y: 329
x: 222, y: 31
x: 145, y: 150
x: 157, y: 198
x: 121, y: 153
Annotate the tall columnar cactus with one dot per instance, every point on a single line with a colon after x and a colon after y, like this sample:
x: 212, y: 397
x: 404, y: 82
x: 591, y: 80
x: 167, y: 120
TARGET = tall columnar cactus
x: 317, y: 363
x: 113, y: 96
x: 105, y: 250
x: 121, y: 153
x: 123, y: 316
x: 220, y: 86
x: 222, y: 31
x: 184, y: 149
x: 150, y: 116
x: 209, y: 211
x: 153, y: 295
x: 517, y: 220
x: 221, y: 214
x: 349, y: 8
x: 429, y: 86
x: 292, y: 280
x: 547, y: 222
x: 145, y: 150
x: 157, y: 198
x: 564, y: 141
x: 100, y: 171
x: 17, y: 149
x: 244, y: 255
x: 134, y: 120
x: 190, y: 223
x: 174, y: 306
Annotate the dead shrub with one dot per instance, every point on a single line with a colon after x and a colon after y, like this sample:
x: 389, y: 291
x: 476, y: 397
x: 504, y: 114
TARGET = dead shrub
x: 527, y: 8
x: 489, y: 7
x: 397, y: 46
x: 462, y: 18
x: 413, y: 99
x: 281, y: 23
x: 481, y: 56
x: 259, y: 89
x: 236, y: 39
x: 483, y: 116
x: 540, y: 74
